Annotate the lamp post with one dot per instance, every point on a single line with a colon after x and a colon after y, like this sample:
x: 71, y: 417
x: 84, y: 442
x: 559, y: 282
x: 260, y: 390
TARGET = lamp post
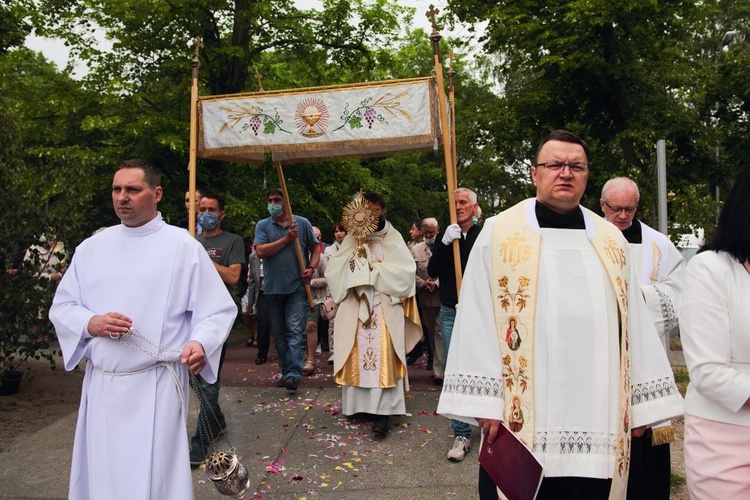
x: 728, y: 39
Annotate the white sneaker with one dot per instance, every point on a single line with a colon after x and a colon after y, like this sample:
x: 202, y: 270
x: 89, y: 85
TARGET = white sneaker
x: 460, y: 449
x: 318, y: 350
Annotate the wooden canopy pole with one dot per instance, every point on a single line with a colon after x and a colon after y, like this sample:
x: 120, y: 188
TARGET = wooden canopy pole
x: 297, y: 246
x: 193, y: 135
x: 450, y: 174
x: 452, y: 101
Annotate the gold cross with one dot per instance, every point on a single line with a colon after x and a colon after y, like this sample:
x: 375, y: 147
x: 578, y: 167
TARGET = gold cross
x: 258, y: 77
x: 198, y: 45
x: 431, y: 14
x: 450, y: 55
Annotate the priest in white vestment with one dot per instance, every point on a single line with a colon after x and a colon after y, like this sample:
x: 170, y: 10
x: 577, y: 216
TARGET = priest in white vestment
x: 142, y: 304
x: 659, y: 266
x: 587, y: 369
x: 377, y: 321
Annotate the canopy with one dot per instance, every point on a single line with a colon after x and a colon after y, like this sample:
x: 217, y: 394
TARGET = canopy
x: 321, y: 123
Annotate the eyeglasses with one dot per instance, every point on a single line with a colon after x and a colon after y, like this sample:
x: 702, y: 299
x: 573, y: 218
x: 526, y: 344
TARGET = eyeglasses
x: 556, y: 166
x: 627, y: 210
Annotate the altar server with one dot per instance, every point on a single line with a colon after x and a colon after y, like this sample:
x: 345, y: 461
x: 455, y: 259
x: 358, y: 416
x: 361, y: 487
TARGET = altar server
x: 142, y: 304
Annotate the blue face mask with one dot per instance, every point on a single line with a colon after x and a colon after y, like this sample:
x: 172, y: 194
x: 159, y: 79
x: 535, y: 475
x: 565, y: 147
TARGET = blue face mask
x: 208, y: 221
x: 275, y: 210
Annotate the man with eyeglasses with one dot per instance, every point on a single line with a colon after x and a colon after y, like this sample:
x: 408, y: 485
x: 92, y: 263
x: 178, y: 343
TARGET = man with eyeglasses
x: 659, y: 265
x: 550, y: 337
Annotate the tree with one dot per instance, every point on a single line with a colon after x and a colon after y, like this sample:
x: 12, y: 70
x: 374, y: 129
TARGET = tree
x: 622, y: 75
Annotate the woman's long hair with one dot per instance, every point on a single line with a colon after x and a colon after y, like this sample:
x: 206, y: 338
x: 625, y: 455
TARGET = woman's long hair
x: 733, y: 232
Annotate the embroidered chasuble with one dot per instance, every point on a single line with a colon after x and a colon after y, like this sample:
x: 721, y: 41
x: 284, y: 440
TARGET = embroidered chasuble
x: 377, y: 321
x: 542, y: 343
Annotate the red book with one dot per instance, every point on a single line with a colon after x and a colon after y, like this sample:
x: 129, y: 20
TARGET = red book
x: 511, y: 465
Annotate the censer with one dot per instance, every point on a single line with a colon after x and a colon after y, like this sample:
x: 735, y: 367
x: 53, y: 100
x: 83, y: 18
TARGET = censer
x: 223, y: 467
x: 227, y: 473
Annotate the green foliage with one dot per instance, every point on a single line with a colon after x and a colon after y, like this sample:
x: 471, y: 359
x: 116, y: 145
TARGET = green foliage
x: 623, y: 75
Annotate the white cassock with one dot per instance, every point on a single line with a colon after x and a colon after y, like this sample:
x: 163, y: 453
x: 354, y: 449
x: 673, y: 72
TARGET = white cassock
x: 576, y: 355
x: 659, y: 266
x: 131, y: 440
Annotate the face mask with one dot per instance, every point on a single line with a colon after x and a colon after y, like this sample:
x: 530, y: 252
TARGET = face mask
x: 208, y: 221
x: 275, y: 210
x: 430, y: 241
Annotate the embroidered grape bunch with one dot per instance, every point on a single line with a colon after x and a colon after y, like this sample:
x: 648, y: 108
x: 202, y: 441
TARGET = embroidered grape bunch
x: 255, y: 124
x: 370, y: 115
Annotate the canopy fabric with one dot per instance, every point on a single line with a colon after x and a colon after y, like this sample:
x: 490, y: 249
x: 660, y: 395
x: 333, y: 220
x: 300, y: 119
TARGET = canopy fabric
x: 320, y: 123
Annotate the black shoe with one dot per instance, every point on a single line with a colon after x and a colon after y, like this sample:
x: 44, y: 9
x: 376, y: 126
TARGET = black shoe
x: 281, y: 382
x: 380, y: 427
x: 291, y: 384
x: 413, y: 357
x: 437, y: 380
x: 260, y: 360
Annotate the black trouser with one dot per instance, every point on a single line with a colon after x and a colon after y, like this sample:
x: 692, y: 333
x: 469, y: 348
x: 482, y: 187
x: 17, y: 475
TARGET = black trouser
x: 650, y: 469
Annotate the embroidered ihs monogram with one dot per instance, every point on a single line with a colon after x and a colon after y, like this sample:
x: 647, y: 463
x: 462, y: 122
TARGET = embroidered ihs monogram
x: 515, y: 250
x: 615, y: 253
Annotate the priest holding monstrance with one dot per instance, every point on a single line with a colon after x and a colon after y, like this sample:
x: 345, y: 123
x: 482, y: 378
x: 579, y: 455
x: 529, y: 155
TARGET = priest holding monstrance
x: 586, y: 369
x: 142, y: 304
x: 377, y: 323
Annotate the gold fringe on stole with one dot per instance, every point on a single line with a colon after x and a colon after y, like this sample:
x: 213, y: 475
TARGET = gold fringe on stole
x: 662, y: 435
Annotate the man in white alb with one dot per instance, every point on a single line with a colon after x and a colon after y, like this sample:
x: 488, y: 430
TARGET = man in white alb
x: 659, y: 265
x: 584, y: 369
x: 142, y: 304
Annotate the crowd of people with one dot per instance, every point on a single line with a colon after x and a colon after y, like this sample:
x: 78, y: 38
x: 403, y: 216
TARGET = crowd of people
x: 555, y: 325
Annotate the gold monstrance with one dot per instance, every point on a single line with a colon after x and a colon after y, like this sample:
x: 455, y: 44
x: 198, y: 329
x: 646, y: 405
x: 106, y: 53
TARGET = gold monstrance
x: 360, y: 221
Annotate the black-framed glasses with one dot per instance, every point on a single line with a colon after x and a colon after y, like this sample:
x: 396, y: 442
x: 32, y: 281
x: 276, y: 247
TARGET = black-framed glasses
x: 556, y: 166
x: 627, y: 210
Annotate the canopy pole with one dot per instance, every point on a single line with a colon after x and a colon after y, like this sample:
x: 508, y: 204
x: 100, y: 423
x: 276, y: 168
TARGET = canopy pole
x: 193, y: 135
x: 297, y: 246
x: 452, y: 102
x: 450, y: 171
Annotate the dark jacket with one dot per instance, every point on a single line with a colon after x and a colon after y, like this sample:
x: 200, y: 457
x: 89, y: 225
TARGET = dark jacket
x: 441, y: 264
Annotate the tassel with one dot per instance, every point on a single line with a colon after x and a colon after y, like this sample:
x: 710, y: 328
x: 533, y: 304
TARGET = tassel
x: 662, y: 435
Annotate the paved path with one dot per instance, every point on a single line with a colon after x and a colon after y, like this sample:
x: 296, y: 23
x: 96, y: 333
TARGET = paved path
x: 293, y: 446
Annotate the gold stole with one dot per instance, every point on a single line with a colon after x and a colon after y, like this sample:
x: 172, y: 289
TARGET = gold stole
x: 516, y: 250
